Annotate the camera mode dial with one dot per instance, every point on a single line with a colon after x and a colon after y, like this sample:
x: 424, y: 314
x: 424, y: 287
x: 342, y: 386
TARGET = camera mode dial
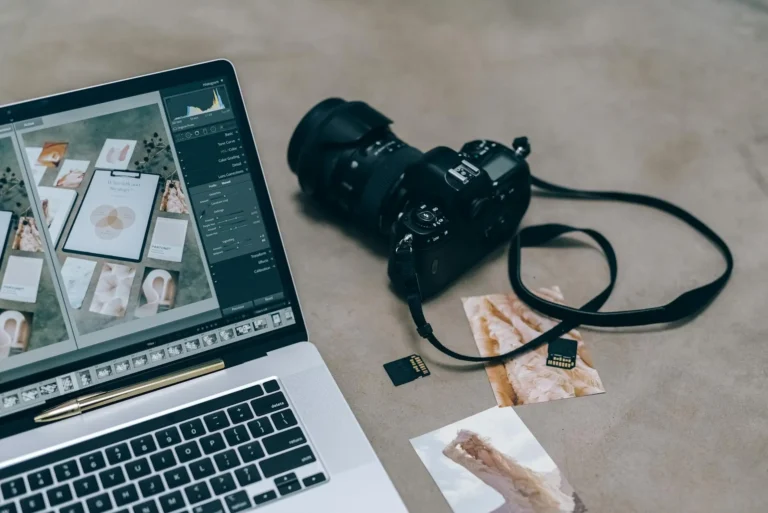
x: 428, y: 218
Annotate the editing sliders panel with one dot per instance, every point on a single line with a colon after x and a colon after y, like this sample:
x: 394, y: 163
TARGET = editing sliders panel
x: 226, y: 209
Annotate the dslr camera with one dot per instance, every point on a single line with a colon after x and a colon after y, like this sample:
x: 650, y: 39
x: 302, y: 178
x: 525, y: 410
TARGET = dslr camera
x: 448, y: 208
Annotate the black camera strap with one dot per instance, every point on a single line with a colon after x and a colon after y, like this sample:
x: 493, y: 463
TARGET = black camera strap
x: 688, y: 304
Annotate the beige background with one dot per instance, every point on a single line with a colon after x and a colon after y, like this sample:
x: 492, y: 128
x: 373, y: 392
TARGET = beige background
x: 666, y: 98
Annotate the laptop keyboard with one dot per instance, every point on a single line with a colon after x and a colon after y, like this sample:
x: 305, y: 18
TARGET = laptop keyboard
x: 225, y: 455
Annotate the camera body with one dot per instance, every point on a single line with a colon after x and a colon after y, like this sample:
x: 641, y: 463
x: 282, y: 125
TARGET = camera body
x: 460, y: 206
x: 452, y: 207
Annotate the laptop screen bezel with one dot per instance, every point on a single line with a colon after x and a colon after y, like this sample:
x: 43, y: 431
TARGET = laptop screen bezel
x: 232, y: 354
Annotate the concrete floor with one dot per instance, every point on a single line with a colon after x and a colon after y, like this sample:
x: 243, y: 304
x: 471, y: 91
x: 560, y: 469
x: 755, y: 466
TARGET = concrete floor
x: 666, y: 98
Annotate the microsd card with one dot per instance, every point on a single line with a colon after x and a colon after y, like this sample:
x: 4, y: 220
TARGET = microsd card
x: 406, y: 369
x: 562, y: 353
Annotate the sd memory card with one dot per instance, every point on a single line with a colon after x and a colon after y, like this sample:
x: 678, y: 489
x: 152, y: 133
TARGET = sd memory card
x: 562, y: 353
x: 406, y: 369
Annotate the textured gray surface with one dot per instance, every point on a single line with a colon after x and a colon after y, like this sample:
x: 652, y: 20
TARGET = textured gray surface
x: 666, y: 98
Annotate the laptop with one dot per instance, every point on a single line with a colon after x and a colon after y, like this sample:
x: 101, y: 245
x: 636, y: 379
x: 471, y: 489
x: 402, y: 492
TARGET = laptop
x: 139, y: 240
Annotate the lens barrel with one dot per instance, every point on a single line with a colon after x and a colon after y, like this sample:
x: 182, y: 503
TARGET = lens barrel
x: 347, y: 158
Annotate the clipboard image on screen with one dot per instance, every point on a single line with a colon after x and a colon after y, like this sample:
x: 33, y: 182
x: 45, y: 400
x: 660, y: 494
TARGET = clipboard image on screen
x: 114, y: 216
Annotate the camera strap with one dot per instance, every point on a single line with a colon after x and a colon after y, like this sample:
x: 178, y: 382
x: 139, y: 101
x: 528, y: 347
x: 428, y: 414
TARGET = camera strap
x: 686, y: 305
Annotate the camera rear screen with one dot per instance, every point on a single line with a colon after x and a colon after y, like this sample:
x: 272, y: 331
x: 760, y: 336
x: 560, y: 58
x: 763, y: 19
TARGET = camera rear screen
x: 499, y: 166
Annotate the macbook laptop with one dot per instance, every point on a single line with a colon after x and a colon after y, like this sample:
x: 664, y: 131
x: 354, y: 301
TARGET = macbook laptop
x: 138, y: 240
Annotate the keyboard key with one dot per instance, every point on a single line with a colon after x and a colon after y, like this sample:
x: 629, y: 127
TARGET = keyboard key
x: 212, y: 443
x: 59, y: 495
x: 32, y: 504
x: 236, y: 435
x: 226, y: 460
x: 285, y: 489
x: 40, y: 479
x: 118, y: 454
x: 171, y: 502
x: 112, y: 477
x: 99, y: 504
x: 167, y: 437
x: 198, y: 492
x: 192, y: 429
x: 286, y: 479
x: 237, y: 502
x: 66, y: 470
x: 8, y: 508
x: 271, y: 386
x: 177, y: 477
x: 284, y: 440
x: 138, y: 468
x: 93, y: 462
x: 13, y: 488
x: 202, y: 468
x: 214, y: 506
x: 216, y: 421
x: 162, y: 460
x: 143, y: 445
x: 77, y: 507
x: 86, y: 486
x: 247, y: 475
x: 151, y: 486
x: 146, y: 507
x: 265, y: 497
x: 284, y: 419
x: 268, y: 404
x: 222, y: 483
x: 240, y: 413
x: 250, y: 452
x: 287, y: 461
x: 260, y: 427
x: 188, y: 452
x: 314, y: 479
x: 126, y: 495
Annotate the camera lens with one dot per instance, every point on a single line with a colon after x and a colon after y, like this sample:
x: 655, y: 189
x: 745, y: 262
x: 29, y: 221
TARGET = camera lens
x: 346, y: 157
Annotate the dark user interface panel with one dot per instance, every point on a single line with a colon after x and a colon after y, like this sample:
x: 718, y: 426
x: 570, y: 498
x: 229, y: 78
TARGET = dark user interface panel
x: 222, y: 196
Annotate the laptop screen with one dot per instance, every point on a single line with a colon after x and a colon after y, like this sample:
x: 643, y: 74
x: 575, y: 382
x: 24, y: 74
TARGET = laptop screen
x: 133, y: 235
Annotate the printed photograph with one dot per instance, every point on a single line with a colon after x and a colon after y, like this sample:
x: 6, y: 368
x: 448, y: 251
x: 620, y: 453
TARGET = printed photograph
x: 501, y: 323
x: 56, y: 205
x: 173, y: 199
x: 76, y: 274
x: 15, y: 332
x: 52, y: 154
x: 113, y: 290
x: 72, y: 173
x: 158, y: 291
x: 116, y: 154
x: 492, y: 463
x: 27, y: 236
x: 21, y: 280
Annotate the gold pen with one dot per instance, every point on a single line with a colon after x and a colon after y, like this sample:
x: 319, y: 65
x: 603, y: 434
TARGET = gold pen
x: 97, y: 400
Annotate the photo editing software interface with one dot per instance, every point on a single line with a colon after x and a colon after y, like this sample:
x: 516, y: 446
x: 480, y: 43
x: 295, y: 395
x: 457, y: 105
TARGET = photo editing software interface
x: 129, y: 224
